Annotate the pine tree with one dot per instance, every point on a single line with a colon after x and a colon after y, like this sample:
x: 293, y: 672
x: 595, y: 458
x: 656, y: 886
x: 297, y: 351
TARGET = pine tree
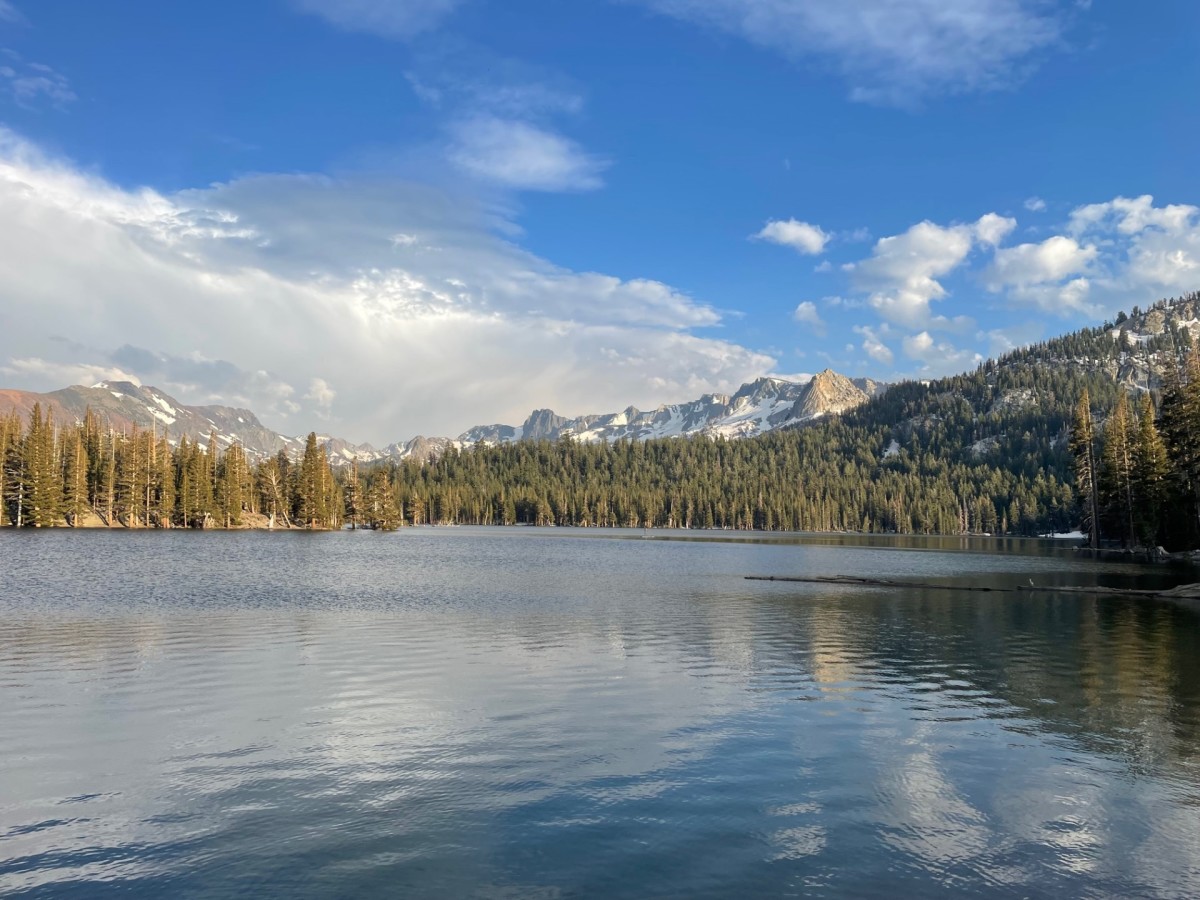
x: 75, y: 481
x: 310, y: 489
x: 12, y: 470
x: 1150, y: 471
x: 1083, y: 451
x: 354, y: 501
x: 42, y: 474
x: 233, y: 486
x: 1116, y: 474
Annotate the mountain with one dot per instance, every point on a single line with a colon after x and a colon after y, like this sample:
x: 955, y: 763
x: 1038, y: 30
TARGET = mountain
x: 1014, y: 411
x: 756, y: 408
x: 124, y: 405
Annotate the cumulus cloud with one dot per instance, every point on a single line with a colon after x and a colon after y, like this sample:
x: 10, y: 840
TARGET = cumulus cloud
x: 901, y: 276
x: 873, y: 345
x: 806, y: 313
x: 522, y: 156
x: 277, y: 289
x: 800, y: 236
x: 1035, y: 204
x: 938, y: 357
x: 1048, y: 274
x: 388, y: 18
x: 1144, y: 251
x: 894, y: 51
x: 321, y: 395
x: 1131, y: 216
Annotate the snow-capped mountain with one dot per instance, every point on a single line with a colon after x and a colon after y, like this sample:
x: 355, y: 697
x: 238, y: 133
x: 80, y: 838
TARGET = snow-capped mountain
x: 763, y: 405
x: 758, y: 407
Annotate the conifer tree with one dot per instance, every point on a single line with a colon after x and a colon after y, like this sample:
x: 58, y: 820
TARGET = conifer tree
x: 311, y: 492
x: 1083, y: 451
x: 42, y: 474
x: 75, y: 480
x: 1151, y: 468
x: 1116, y: 474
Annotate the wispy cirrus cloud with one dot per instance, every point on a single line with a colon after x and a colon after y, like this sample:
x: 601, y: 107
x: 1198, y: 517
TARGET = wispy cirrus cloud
x: 32, y: 84
x: 522, y: 155
x: 895, y: 51
x: 402, y: 19
x: 501, y: 120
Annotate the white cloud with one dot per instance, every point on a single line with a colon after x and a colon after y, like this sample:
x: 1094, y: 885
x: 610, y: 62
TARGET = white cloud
x: 893, y: 51
x: 1035, y: 204
x: 902, y: 273
x: 991, y: 228
x: 1143, y: 252
x: 499, y: 117
x: 472, y: 79
x: 32, y: 83
x: 938, y: 357
x: 1132, y: 216
x: 321, y: 395
x: 806, y: 313
x: 800, y: 236
x: 267, y: 291
x: 873, y: 346
x: 523, y: 156
x: 388, y: 18
x: 1010, y: 337
x: 63, y: 373
x: 1032, y: 265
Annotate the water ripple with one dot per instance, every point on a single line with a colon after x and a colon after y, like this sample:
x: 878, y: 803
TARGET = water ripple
x: 505, y: 714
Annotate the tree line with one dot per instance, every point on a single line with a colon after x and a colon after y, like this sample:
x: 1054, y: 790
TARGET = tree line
x: 1137, y: 469
x: 51, y: 476
x: 997, y: 450
x: 837, y: 477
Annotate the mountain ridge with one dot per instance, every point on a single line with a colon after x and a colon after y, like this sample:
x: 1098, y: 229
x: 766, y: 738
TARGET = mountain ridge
x: 757, y: 407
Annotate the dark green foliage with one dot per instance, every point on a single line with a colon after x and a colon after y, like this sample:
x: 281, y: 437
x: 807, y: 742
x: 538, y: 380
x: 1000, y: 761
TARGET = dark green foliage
x: 998, y: 450
x: 1087, y: 476
x: 51, y: 476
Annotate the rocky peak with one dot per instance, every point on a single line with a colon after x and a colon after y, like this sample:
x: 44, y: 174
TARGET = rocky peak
x: 829, y: 392
x: 542, y: 424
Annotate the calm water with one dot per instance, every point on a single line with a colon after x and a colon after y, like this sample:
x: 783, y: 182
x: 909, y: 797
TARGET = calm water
x: 544, y: 714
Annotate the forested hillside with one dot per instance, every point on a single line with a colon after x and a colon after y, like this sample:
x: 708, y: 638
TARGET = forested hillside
x: 988, y: 451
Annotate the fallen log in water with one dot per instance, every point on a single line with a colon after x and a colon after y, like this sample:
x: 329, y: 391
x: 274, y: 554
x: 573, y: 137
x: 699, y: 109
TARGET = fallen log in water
x: 1182, y: 592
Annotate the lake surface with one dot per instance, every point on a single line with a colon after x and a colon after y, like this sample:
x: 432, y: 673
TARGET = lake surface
x: 513, y: 713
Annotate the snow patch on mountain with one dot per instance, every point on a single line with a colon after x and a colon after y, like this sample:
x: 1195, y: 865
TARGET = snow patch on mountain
x: 763, y: 405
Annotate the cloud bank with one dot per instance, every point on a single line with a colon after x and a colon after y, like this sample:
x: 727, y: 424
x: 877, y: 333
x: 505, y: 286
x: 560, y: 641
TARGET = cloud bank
x: 385, y: 308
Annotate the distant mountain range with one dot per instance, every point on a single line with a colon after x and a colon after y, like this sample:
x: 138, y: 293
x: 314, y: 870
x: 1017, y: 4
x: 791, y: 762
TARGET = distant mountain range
x: 763, y: 405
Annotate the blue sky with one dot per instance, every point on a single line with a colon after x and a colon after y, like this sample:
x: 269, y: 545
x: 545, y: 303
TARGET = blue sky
x: 389, y: 217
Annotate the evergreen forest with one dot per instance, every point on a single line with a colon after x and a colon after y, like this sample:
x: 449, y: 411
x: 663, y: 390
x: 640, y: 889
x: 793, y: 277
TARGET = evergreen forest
x: 1086, y: 429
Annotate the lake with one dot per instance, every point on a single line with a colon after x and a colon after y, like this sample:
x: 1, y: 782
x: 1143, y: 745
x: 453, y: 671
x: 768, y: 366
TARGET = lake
x: 553, y: 713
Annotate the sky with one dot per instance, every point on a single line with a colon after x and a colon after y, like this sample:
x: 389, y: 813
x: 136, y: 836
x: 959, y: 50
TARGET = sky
x: 384, y: 218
